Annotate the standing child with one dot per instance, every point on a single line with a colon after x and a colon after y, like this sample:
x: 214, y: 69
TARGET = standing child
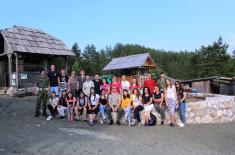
x: 70, y: 103
x: 103, y: 104
x: 126, y: 106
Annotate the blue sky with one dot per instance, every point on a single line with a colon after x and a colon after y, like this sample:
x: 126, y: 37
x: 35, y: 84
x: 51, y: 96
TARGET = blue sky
x: 160, y: 24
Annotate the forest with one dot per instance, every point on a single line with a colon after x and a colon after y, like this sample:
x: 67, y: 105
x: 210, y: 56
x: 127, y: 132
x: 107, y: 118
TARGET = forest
x: 211, y: 60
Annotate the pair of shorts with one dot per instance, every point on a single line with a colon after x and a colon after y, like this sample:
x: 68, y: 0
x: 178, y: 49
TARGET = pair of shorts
x: 148, y: 108
x: 95, y: 111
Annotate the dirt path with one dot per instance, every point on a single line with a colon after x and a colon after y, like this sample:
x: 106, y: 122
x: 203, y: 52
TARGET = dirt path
x: 21, y: 133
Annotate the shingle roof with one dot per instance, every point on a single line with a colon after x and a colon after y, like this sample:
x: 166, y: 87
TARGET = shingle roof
x: 23, y: 39
x: 131, y: 61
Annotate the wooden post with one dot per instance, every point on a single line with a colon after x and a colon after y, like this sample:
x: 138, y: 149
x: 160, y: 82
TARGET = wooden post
x: 17, y: 70
x: 138, y: 74
x: 66, y: 64
x: 9, y: 69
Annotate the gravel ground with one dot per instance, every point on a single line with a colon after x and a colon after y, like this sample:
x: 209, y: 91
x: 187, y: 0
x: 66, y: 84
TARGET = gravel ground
x: 21, y: 133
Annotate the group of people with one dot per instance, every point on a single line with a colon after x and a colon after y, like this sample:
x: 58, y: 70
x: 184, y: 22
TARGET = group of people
x: 92, y: 100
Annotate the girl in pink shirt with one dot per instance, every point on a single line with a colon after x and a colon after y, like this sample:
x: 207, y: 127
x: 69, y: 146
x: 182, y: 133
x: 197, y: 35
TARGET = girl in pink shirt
x: 105, y: 86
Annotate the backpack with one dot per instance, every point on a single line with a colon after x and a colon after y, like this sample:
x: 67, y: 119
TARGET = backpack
x: 153, y: 120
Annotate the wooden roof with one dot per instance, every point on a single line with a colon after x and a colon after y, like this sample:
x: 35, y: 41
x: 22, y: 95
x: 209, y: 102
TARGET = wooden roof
x: 28, y: 40
x: 131, y: 61
x: 209, y: 78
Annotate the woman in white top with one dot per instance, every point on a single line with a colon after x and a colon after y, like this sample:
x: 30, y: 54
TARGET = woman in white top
x: 138, y: 107
x: 171, y: 100
x: 87, y: 85
x: 52, y: 105
x: 93, y: 106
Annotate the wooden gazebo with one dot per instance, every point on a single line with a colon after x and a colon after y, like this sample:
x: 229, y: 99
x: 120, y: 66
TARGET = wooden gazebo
x: 133, y: 66
x: 24, y: 51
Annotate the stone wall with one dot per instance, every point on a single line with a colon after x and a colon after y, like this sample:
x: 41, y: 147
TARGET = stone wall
x: 214, y: 109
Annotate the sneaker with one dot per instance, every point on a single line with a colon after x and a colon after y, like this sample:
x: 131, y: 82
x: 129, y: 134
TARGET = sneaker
x: 49, y: 118
x: 132, y: 123
x: 162, y: 122
x: 36, y: 115
x: 101, y: 121
x: 118, y: 123
x: 111, y: 122
x: 171, y: 125
x: 139, y: 124
x: 45, y: 114
x: 181, y: 125
x: 91, y: 123
x: 62, y: 117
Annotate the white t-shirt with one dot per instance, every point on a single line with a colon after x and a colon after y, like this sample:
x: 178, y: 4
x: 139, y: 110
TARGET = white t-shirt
x: 170, y: 93
x: 135, y: 100
x: 87, y: 87
x: 125, y: 85
x: 54, y: 101
x: 94, y: 99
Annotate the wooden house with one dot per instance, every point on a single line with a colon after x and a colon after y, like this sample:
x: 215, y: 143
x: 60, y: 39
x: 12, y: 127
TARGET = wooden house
x: 133, y: 66
x: 24, y: 51
x: 214, y: 84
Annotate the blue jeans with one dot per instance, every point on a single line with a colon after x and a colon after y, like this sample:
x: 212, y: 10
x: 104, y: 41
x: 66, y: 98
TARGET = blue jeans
x: 127, y: 111
x: 54, y: 89
x: 102, y: 109
x: 181, y: 110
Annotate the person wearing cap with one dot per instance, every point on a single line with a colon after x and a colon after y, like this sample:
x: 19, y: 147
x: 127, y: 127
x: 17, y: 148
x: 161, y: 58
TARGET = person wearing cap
x: 161, y: 82
x: 42, y: 87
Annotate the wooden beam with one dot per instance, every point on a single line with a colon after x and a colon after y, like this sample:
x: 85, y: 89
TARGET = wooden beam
x: 66, y: 64
x: 17, y: 70
x: 9, y: 69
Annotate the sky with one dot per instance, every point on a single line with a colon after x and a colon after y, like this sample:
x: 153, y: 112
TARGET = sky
x: 160, y: 24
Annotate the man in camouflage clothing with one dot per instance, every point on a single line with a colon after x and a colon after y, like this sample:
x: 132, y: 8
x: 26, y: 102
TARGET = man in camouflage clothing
x: 161, y: 81
x: 42, y: 93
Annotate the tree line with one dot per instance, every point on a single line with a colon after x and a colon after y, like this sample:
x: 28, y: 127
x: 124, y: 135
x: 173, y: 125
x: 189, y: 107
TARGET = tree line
x: 211, y: 60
